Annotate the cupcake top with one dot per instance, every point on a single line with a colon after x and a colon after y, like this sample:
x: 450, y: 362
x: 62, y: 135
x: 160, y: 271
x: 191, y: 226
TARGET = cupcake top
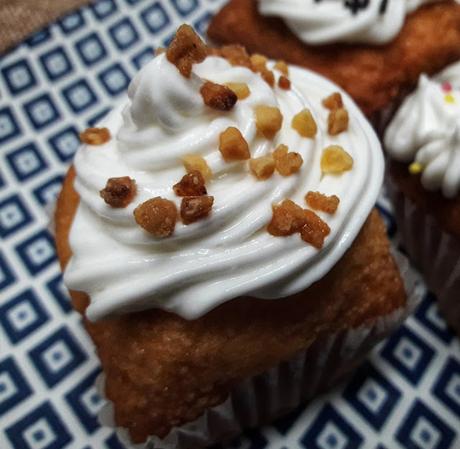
x: 219, y: 175
x: 328, y: 21
x: 425, y: 132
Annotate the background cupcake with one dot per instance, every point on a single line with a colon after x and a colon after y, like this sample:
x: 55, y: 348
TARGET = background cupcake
x: 230, y: 200
x: 375, y: 50
x: 423, y: 141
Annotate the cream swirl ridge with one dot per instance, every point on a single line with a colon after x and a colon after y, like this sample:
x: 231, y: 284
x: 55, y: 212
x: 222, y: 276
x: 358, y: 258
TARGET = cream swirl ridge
x: 230, y: 253
x: 426, y: 132
x: 327, y: 21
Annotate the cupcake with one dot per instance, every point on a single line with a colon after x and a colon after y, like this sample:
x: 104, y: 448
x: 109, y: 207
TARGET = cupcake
x: 423, y: 142
x: 218, y: 233
x: 375, y: 49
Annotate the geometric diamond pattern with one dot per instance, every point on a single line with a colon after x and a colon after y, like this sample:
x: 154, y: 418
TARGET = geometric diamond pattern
x: 9, y: 125
x: 330, y: 430
x: 27, y: 161
x: 14, y: 216
x: 19, y: 77
x: 79, y: 96
x: 37, y: 252
x: 114, y: 79
x: 47, y: 192
x: 447, y: 387
x: 56, y: 63
x: 42, y: 428
x: 7, y: 276
x: 427, y: 314
x: 372, y: 395
x: 86, y: 402
x: 64, y: 78
x: 423, y: 429
x: 41, y: 111
x: 22, y: 315
x: 91, y: 49
x: 13, y: 387
x: 409, y: 354
x: 65, y: 143
x: 124, y: 34
x: 57, y: 356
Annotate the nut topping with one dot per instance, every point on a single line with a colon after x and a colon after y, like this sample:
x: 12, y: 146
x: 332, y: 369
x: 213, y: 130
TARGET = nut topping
x: 119, y: 192
x: 157, y: 216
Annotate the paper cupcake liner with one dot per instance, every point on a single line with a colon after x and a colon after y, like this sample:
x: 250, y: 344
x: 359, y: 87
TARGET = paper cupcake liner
x: 262, y: 398
x: 434, y: 252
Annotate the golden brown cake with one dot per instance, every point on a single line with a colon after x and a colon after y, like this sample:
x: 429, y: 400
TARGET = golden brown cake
x: 374, y: 75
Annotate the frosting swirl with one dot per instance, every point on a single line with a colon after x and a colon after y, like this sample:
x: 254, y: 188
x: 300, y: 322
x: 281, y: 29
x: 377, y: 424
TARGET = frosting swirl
x: 230, y: 253
x: 426, y: 131
x: 326, y: 21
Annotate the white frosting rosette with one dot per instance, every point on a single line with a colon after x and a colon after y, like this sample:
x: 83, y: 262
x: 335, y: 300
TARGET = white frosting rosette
x: 328, y: 21
x: 426, y: 132
x: 230, y: 253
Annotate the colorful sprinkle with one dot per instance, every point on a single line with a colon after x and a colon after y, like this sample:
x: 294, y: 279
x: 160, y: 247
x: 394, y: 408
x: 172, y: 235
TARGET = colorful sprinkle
x: 446, y: 87
x: 415, y: 168
x: 449, y: 98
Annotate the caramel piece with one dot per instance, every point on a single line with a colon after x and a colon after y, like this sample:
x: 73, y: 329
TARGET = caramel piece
x: 333, y: 101
x: 217, y: 96
x: 284, y: 83
x: 259, y: 65
x: 194, y: 208
x: 262, y: 167
x: 305, y: 124
x: 324, y: 203
x: 236, y: 55
x: 241, y: 90
x: 259, y: 62
x: 282, y: 67
x: 315, y: 230
x: 335, y: 160
x: 160, y: 51
x: 288, y: 164
x: 280, y: 151
x: 95, y: 136
x: 337, y: 121
x: 233, y: 145
x: 196, y: 162
x: 191, y: 184
x: 287, y: 219
x: 268, y: 77
x: 119, y: 192
x: 186, y: 49
x: 268, y: 120
x: 157, y: 216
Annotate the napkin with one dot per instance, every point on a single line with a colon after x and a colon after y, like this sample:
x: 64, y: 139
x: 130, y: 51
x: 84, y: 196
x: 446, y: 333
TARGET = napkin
x: 19, y: 18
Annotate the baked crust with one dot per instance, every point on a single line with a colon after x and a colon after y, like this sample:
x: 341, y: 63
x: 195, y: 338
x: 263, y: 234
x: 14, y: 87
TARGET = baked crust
x: 445, y: 211
x: 374, y: 76
x: 162, y: 371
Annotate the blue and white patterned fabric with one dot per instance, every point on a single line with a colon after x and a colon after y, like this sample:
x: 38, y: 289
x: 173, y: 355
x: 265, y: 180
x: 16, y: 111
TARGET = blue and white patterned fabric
x: 58, y: 82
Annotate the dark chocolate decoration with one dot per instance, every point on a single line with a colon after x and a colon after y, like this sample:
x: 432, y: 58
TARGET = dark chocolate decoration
x: 355, y: 6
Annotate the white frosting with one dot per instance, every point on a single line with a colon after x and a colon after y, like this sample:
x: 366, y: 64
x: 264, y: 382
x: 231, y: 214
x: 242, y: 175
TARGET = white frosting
x: 327, y: 21
x: 229, y: 254
x: 426, y: 130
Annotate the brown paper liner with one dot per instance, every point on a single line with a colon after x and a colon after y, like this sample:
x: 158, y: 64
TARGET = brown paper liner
x: 381, y: 119
x: 434, y: 252
x: 262, y: 398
